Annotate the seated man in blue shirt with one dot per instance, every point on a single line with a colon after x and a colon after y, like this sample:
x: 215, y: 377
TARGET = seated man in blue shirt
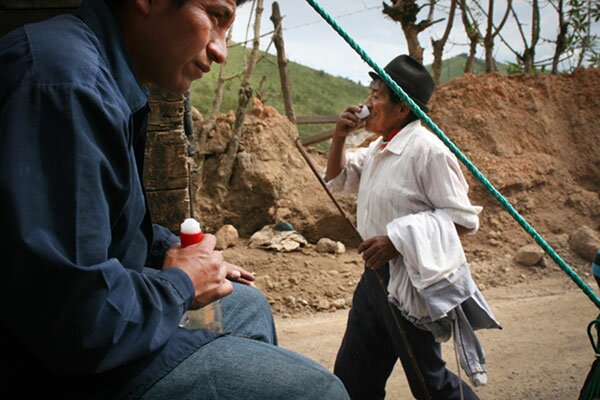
x: 92, y: 292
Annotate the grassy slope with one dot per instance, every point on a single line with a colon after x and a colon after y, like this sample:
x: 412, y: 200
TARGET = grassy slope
x: 314, y: 92
x: 455, y: 66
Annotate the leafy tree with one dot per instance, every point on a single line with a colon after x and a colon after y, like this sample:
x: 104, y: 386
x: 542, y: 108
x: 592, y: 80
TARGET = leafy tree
x: 580, y: 42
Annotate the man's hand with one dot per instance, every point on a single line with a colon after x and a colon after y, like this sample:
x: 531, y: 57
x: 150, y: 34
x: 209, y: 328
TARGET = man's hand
x: 377, y: 250
x: 206, y: 269
x: 239, y: 274
x: 348, y: 122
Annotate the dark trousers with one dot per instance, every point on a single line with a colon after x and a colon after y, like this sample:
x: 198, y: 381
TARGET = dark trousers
x: 372, y: 344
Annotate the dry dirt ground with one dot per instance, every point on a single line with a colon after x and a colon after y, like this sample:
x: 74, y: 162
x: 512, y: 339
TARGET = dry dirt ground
x: 542, y: 352
x: 535, y: 137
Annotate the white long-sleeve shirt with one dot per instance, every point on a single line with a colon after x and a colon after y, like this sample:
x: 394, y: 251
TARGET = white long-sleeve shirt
x: 414, y: 173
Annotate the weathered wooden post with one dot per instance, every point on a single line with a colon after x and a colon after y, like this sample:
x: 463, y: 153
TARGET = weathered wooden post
x: 286, y: 87
x: 166, y: 167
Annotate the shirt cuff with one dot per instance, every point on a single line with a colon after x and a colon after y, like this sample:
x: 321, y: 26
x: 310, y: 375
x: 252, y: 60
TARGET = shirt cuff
x: 181, y: 282
x: 337, y: 183
x: 467, y: 218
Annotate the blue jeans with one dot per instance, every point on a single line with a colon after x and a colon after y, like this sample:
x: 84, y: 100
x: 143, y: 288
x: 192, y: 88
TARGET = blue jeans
x: 247, y: 364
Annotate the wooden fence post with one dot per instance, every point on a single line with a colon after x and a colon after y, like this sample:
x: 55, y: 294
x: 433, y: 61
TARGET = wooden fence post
x: 286, y: 87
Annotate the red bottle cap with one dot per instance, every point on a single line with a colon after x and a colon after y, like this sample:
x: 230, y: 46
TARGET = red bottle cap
x: 190, y: 232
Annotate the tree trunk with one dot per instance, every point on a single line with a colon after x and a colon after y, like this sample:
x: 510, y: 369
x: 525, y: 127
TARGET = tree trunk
x: 438, y: 45
x: 218, y: 101
x: 405, y: 12
x: 488, y: 40
x: 412, y: 40
x: 282, y: 62
x: 227, y: 161
x: 561, y: 38
x: 491, y: 33
x: 255, y: 42
x: 472, y: 31
x: 529, y: 52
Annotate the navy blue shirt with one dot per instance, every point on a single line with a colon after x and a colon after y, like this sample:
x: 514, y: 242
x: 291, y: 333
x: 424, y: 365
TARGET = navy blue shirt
x: 83, y: 303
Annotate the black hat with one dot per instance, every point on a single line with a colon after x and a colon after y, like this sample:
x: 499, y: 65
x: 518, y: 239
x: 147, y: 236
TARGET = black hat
x: 412, y: 77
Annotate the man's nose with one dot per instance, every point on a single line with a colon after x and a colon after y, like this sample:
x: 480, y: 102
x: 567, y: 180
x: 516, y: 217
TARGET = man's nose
x: 217, y: 47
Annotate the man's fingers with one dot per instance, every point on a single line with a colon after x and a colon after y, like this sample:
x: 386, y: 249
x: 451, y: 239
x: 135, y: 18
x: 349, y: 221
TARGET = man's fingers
x: 225, y: 289
x: 364, y: 245
x: 239, y: 272
x: 244, y: 282
x: 247, y: 275
x: 234, y: 275
x: 208, y: 242
x: 369, y: 252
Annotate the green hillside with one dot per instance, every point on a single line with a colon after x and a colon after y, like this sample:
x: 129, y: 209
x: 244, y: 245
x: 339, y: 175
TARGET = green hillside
x: 314, y: 92
x: 455, y: 66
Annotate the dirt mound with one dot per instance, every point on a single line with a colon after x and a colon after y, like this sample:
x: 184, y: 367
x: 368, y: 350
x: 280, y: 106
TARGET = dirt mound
x: 271, y: 181
x: 534, y: 137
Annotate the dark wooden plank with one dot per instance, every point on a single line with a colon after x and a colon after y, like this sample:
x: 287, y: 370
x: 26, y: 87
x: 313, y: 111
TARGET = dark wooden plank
x: 320, y: 137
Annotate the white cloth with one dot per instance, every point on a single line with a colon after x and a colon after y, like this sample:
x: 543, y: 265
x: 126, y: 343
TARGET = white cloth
x: 413, y: 191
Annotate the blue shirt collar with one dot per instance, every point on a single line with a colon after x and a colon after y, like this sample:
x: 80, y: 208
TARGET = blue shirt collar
x: 98, y: 16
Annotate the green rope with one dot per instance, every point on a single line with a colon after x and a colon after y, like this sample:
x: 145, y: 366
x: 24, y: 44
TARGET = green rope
x: 417, y: 110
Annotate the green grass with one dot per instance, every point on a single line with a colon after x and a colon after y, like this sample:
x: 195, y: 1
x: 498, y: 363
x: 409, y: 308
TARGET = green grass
x: 455, y: 66
x: 314, y: 92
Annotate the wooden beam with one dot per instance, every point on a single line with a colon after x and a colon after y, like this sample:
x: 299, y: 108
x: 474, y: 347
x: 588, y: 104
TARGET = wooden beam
x: 282, y: 62
x: 320, y: 137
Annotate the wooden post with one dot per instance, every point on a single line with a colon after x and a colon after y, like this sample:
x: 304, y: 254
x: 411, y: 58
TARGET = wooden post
x: 166, y: 168
x: 227, y: 161
x: 286, y: 87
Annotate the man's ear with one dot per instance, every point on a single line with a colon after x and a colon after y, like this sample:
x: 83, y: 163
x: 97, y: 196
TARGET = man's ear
x: 402, y: 110
x: 143, y: 6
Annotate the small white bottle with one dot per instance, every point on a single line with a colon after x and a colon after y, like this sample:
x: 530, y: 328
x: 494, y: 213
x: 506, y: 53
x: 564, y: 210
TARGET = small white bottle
x: 363, y: 113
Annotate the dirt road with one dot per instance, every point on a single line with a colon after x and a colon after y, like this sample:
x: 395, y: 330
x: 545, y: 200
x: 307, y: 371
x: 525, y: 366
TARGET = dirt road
x: 542, y: 352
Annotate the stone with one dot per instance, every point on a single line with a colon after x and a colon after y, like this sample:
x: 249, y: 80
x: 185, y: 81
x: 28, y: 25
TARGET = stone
x: 585, y: 242
x: 227, y: 236
x: 326, y: 245
x: 529, y: 255
x: 323, y: 304
x: 338, y: 304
